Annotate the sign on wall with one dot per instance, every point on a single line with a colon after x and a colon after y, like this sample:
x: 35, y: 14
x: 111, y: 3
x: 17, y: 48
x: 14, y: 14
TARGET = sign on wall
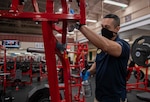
x: 39, y: 45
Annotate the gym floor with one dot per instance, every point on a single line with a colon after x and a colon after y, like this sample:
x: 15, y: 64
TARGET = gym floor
x: 21, y: 94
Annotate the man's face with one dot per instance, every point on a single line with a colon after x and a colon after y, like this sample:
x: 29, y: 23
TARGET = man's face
x: 108, y: 23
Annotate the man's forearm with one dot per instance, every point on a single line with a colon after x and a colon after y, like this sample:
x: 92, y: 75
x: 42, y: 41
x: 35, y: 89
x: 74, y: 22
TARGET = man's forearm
x: 94, y: 38
x: 92, y: 70
x: 108, y: 46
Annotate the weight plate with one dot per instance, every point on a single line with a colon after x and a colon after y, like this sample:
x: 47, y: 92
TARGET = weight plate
x: 140, y: 51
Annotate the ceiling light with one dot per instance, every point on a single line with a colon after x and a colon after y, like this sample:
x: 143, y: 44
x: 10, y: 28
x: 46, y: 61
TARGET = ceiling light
x: 60, y: 10
x: 93, y: 21
x: 115, y: 3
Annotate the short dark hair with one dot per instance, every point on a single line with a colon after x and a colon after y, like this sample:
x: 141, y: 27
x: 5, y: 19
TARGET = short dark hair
x: 115, y: 17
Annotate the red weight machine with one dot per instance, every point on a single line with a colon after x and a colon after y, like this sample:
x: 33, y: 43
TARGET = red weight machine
x: 80, y: 51
x: 4, y: 73
x: 138, y: 84
x: 48, y: 19
x: 42, y: 74
x: 5, y: 94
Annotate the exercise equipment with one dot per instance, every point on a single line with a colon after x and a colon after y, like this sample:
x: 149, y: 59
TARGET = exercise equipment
x: 48, y: 20
x: 5, y: 95
x: 41, y: 94
x: 140, y: 52
x: 80, y: 62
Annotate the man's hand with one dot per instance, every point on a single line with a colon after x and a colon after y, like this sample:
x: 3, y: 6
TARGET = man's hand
x: 72, y: 26
x: 85, y: 74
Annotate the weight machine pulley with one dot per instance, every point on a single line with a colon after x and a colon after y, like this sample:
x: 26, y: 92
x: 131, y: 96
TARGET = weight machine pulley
x: 140, y: 52
x: 48, y: 20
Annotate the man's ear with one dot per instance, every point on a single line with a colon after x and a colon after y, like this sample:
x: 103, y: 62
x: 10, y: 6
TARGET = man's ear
x: 117, y: 28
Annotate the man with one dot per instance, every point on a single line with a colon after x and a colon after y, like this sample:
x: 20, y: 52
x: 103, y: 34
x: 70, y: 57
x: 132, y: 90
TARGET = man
x: 110, y: 65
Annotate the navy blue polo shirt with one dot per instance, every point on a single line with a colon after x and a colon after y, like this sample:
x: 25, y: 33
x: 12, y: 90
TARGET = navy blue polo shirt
x: 111, y: 74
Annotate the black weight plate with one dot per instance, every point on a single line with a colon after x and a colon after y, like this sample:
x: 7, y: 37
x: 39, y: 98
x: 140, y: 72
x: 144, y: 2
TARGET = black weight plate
x: 141, y: 74
x: 140, y: 51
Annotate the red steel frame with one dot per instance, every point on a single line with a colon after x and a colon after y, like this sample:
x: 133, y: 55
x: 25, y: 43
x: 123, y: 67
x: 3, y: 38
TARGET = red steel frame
x: 138, y: 83
x: 42, y: 74
x: 48, y: 18
x: 81, y: 50
x: 13, y: 74
x: 4, y: 71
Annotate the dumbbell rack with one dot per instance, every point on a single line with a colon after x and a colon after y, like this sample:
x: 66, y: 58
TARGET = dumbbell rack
x: 48, y: 18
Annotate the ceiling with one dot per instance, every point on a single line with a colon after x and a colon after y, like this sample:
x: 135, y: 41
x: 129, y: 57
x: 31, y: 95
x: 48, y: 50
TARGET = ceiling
x: 95, y: 9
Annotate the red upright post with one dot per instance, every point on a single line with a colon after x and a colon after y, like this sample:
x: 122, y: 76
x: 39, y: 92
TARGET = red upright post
x: 4, y: 73
x: 35, y: 5
x: 50, y: 45
x: 14, y: 5
x: 82, y: 11
x: 65, y: 61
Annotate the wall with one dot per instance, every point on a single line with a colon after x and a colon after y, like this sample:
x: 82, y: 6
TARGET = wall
x: 135, y: 10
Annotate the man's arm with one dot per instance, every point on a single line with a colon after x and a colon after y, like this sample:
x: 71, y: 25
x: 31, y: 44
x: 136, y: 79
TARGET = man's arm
x: 109, y: 46
x: 92, y: 70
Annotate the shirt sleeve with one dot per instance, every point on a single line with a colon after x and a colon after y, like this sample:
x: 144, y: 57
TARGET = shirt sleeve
x: 125, y: 48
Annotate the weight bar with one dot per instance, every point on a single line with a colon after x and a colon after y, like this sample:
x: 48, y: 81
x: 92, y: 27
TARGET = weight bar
x: 37, y: 50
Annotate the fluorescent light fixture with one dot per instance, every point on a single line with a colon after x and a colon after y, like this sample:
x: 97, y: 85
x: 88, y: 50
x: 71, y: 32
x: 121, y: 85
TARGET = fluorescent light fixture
x: 115, y: 3
x: 92, y: 21
x: 60, y: 10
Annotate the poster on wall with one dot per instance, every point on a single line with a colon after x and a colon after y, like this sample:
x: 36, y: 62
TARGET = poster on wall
x: 11, y: 43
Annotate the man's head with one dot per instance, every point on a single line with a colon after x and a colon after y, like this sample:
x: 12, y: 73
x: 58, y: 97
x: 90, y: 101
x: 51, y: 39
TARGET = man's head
x: 110, y: 26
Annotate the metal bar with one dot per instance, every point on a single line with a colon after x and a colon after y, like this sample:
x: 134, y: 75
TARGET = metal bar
x: 65, y: 60
x: 64, y: 27
x: 38, y: 50
x: 50, y: 46
x: 35, y: 6
x: 82, y: 11
x: 49, y: 6
x: 38, y: 16
x: 57, y: 28
x: 14, y: 5
x: 5, y: 71
x: 66, y: 68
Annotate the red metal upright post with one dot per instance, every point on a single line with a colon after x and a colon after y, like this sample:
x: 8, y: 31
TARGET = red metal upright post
x: 35, y: 5
x: 50, y: 45
x: 65, y: 61
x: 82, y: 11
x: 14, y: 5
x: 4, y: 70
